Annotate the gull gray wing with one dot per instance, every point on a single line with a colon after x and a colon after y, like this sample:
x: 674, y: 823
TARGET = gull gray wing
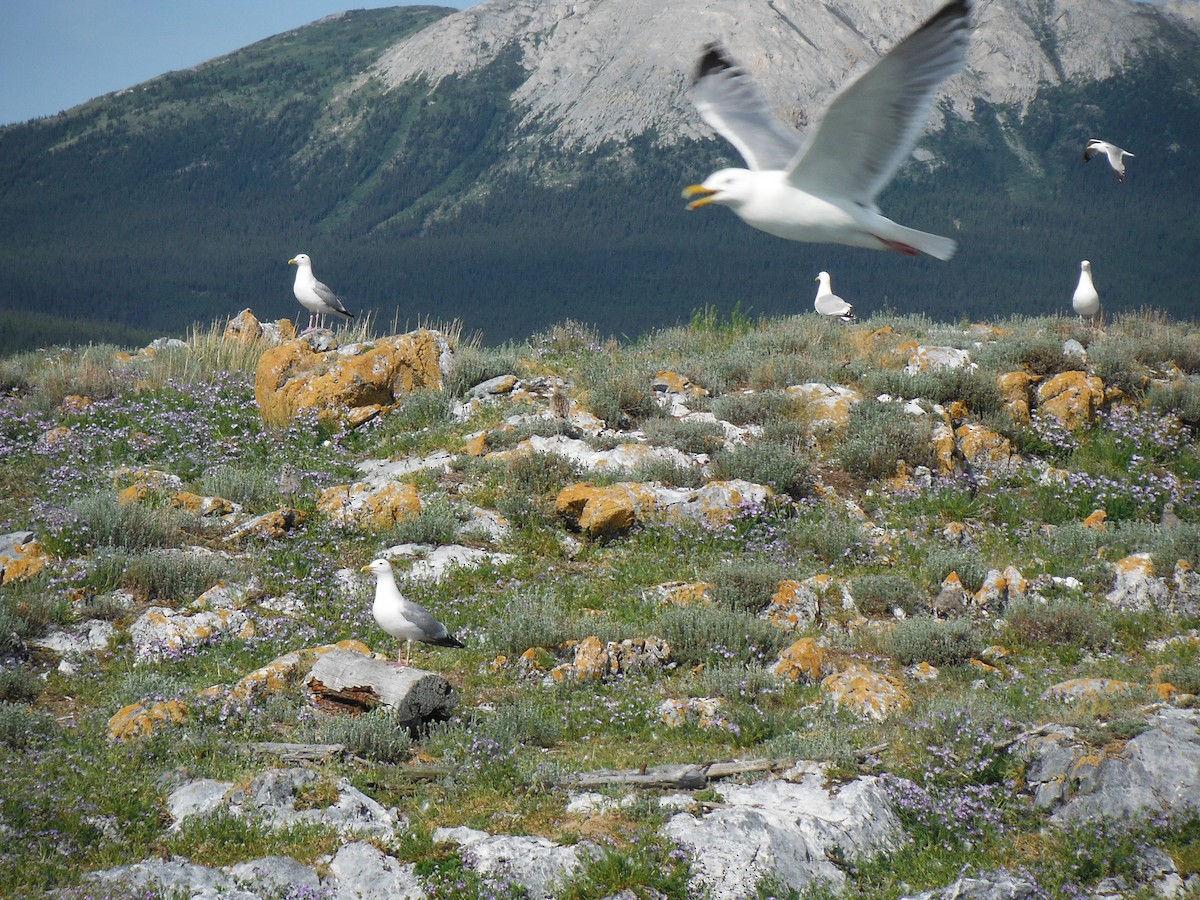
x: 329, y: 298
x: 728, y: 101
x: 432, y: 631
x: 872, y: 124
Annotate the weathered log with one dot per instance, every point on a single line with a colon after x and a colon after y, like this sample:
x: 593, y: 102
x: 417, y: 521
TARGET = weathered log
x: 295, y: 752
x: 682, y: 776
x: 343, y: 681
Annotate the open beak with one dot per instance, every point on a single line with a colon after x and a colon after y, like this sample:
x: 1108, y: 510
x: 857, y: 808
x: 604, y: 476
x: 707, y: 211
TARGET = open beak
x: 705, y: 195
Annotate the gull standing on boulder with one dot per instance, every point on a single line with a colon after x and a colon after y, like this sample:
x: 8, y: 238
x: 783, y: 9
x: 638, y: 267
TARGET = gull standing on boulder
x: 314, y: 296
x: 1116, y: 156
x: 1086, y: 301
x: 823, y: 189
x: 830, y: 304
x: 401, y: 617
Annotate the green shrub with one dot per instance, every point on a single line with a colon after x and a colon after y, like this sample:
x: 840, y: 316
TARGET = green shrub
x: 1181, y: 397
x: 436, y: 523
x: 757, y: 408
x: 530, y: 619
x: 19, y: 686
x: 474, y: 365
x: 539, y: 474
x: 176, y: 574
x: 688, y: 436
x: 879, y: 435
x: 1058, y: 622
x: 20, y: 726
x: 776, y: 465
x: 252, y: 486
x: 707, y: 633
x: 939, y: 642
x: 831, y: 540
x: 746, y: 584
x: 376, y: 735
x: 969, y: 565
x: 621, y: 396
x: 880, y: 594
x: 103, y: 522
x: 668, y: 472
x: 970, y: 386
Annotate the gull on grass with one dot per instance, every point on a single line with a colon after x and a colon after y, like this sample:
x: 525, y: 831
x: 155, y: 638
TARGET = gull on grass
x: 830, y: 304
x: 401, y: 617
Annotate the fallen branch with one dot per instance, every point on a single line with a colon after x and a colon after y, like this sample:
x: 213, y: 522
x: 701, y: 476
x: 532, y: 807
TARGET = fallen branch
x: 680, y: 776
x: 295, y: 752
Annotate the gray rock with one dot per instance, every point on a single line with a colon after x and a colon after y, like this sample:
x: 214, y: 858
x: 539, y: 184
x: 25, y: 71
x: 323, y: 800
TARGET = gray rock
x: 360, y: 871
x: 1159, y: 771
x: 996, y: 886
x: 272, y: 798
x: 260, y: 879
x: 535, y: 863
x: 79, y: 640
x: 275, y: 875
x: 783, y: 830
x: 160, y: 631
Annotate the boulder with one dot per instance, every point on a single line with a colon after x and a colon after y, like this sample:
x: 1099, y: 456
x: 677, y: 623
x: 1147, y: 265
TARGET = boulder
x: 138, y: 720
x: 937, y: 359
x: 595, y: 660
x: 535, y: 863
x: 794, y: 605
x: 244, y: 328
x: 1015, y: 388
x: 828, y: 404
x: 1136, y: 587
x: 866, y: 693
x: 702, y: 711
x: 161, y: 631
x: 992, y: 886
x: 272, y: 526
x: 347, y: 386
x: 806, y: 659
x: 21, y: 556
x: 1073, y: 398
x: 361, y: 871
x: 985, y: 449
x: 601, y: 512
x: 370, y: 508
x: 785, y: 830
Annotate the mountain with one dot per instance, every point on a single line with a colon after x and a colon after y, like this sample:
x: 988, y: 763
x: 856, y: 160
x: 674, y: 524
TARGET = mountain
x: 518, y: 163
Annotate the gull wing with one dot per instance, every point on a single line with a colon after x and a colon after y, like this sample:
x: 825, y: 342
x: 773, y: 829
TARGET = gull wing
x: 728, y: 101
x: 431, y: 629
x: 328, y: 297
x: 872, y: 124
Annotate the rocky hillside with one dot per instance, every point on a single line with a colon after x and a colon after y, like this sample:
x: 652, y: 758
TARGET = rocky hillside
x: 517, y: 163
x: 751, y: 608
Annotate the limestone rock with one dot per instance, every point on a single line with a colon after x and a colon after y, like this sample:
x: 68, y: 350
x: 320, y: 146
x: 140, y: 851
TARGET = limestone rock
x: 374, y: 509
x: 244, y: 328
x: 1086, y: 688
x: 596, y: 660
x: 985, y: 449
x: 702, y: 711
x: 682, y: 593
x: 202, y: 506
x: 361, y: 871
x: 353, y: 682
x: 805, y: 659
x: 272, y: 526
x: 21, y: 556
x: 865, y: 693
x: 1073, y: 398
x: 78, y: 640
x: 1136, y: 587
x: 828, y: 404
x: 794, y: 605
x: 993, y: 886
x: 137, y: 720
x: 669, y: 382
x: 605, y: 511
x: 347, y: 385
x: 160, y: 631
x: 938, y: 359
x: 1014, y: 388
x: 435, y: 563
x: 784, y: 830
x: 535, y: 863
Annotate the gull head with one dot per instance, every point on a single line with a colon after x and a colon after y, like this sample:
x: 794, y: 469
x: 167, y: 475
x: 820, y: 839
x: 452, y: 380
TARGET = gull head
x: 377, y: 567
x: 1085, y: 266
x: 731, y: 187
x: 823, y: 277
x: 300, y: 259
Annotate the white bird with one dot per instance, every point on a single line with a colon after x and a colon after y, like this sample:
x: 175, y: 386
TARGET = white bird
x: 823, y: 190
x: 1086, y: 301
x: 830, y: 304
x: 401, y: 617
x: 1116, y: 156
x: 314, y: 296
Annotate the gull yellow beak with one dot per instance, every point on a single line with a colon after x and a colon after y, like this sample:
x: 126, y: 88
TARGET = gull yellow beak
x: 292, y: 262
x: 366, y: 568
x: 693, y: 189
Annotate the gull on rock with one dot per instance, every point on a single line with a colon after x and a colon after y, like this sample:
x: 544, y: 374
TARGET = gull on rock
x: 1116, y: 156
x: 401, y: 617
x: 830, y: 304
x: 823, y: 189
x: 314, y: 296
x: 1086, y: 301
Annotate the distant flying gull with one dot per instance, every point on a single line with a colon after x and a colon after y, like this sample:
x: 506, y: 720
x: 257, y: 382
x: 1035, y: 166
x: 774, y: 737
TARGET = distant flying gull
x: 823, y: 189
x: 1086, y: 302
x: 1116, y: 156
x: 401, y: 617
x: 314, y: 296
x: 830, y: 304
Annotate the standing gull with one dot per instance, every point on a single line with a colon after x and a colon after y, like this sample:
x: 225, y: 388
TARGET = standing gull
x: 401, y: 617
x: 1086, y: 301
x: 1116, y: 156
x: 823, y: 189
x: 830, y: 304
x: 314, y: 296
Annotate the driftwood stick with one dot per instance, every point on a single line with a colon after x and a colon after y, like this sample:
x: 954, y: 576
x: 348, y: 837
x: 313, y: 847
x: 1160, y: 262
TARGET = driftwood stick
x: 295, y: 752
x: 679, y: 776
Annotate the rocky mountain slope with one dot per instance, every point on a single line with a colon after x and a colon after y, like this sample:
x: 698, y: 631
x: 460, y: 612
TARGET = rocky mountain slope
x: 517, y: 163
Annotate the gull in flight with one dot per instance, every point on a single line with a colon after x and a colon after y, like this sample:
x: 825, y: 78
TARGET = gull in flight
x: 1116, y: 156
x: 1086, y: 301
x: 314, y: 296
x: 401, y: 617
x: 823, y: 189
x: 830, y: 304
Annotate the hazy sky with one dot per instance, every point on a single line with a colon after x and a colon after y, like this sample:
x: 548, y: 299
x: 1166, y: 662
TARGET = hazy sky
x: 55, y: 54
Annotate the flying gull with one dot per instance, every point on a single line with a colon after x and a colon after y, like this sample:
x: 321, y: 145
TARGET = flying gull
x: 830, y: 304
x: 1086, y: 302
x: 1116, y: 156
x: 314, y: 296
x: 401, y: 617
x: 823, y: 189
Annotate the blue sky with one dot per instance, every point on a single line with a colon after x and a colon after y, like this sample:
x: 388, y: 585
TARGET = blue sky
x: 55, y: 54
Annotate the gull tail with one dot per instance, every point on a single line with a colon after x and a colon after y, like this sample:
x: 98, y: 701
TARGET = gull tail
x: 910, y: 242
